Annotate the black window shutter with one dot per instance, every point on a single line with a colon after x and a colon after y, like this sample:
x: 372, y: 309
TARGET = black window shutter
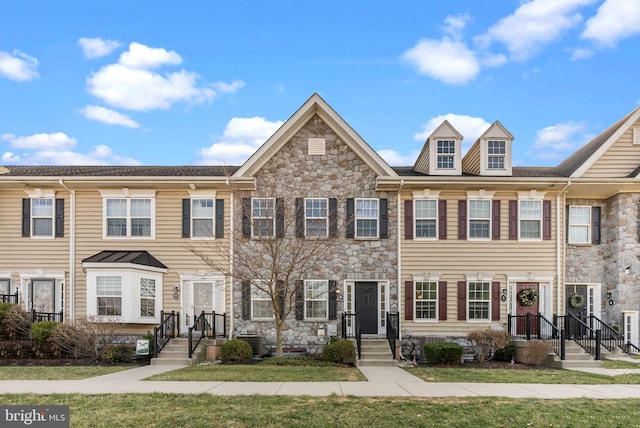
x: 566, y: 224
x: 462, y: 300
x: 384, y: 218
x: 442, y: 300
x: 333, y: 300
x: 350, y: 217
x: 282, y: 293
x: 279, y: 218
x: 595, y: 225
x: 299, y: 218
x: 299, y: 300
x: 219, y: 218
x: 246, y: 217
x: 59, y: 218
x: 26, y: 217
x: 442, y: 219
x: 186, y: 218
x: 462, y: 219
x: 333, y: 217
x: 495, y: 214
x: 246, y: 300
x: 408, y: 300
x: 513, y: 220
x: 408, y: 219
x: 495, y: 301
x: 546, y: 220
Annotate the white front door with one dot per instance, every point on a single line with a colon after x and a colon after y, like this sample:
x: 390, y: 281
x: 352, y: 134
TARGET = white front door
x: 202, y: 295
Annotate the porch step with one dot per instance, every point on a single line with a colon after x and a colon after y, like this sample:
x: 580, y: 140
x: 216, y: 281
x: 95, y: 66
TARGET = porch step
x: 376, y: 353
x: 575, y: 357
x: 174, y: 353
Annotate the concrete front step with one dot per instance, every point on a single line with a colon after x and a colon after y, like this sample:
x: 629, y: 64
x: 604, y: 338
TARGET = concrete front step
x: 172, y: 361
x: 376, y: 353
x: 377, y: 363
x: 174, y: 353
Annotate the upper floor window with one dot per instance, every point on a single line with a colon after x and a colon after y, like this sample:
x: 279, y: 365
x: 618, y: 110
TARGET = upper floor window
x: 530, y: 219
x: 579, y: 224
x: 479, y: 218
x: 479, y: 300
x: 366, y: 218
x: 316, y: 299
x: 42, y: 215
x: 496, y: 152
x: 202, y: 218
x: 263, y: 217
x: 426, y: 299
x: 445, y: 150
x: 316, y: 217
x: 425, y: 218
x: 129, y: 214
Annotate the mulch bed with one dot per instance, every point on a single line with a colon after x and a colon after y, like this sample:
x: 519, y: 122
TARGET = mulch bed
x: 490, y: 364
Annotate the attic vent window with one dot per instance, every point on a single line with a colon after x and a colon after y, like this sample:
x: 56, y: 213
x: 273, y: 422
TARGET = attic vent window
x: 636, y: 135
x: 316, y: 146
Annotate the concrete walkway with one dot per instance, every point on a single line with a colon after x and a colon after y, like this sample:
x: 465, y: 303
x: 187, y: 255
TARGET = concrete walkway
x: 382, y: 382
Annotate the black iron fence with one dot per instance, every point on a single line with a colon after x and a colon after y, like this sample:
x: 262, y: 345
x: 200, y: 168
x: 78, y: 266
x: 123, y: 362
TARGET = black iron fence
x: 208, y: 325
x: 536, y: 326
x: 9, y: 298
x: 37, y: 316
x: 351, y: 330
x: 609, y: 337
x: 169, y: 328
x: 393, y: 331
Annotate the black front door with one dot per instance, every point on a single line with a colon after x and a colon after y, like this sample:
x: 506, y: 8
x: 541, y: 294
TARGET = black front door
x: 576, y: 297
x: 367, y: 306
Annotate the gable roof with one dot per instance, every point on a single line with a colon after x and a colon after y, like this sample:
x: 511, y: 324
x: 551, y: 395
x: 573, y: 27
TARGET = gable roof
x: 579, y: 162
x: 445, y: 130
x: 141, y: 257
x: 315, y: 105
x: 118, y: 171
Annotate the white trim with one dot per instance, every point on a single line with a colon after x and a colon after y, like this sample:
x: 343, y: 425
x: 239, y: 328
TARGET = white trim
x: 326, y: 300
x: 630, y: 326
x: 316, y: 146
x: 435, y: 219
x: 104, y: 265
x: 588, y: 225
x: 436, y: 300
x: 126, y: 193
x: 38, y: 193
x: 128, y: 196
x: 521, y: 219
x: 202, y: 194
x: 426, y: 194
x: 356, y: 218
x: 326, y: 218
x: 635, y: 139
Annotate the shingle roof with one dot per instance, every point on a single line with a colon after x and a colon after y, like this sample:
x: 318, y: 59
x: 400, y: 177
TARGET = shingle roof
x: 120, y: 171
x: 517, y: 171
x: 121, y: 256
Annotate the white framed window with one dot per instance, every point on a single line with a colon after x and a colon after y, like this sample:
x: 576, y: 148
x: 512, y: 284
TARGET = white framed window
x: 425, y: 218
x: 479, y: 300
x: 530, y: 218
x: 426, y: 300
x: 367, y: 214
x: 496, y: 152
x: 316, y: 299
x: 263, y: 218
x: 316, y: 217
x: 42, y: 217
x: 202, y: 218
x: 261, y: 305
x: 479, y: 218
x: 109, y: 296
x: 147, y: 297
x: 5, y: 286
x: 445, y: 150
x: 579, y: 224
x: 128, y: 214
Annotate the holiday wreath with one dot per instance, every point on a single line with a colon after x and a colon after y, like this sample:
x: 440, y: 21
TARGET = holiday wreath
x: 528, y: 297
x: 576, y: 301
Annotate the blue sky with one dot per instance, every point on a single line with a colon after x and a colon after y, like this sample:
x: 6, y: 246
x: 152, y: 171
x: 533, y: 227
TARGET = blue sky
x: 203, y: 82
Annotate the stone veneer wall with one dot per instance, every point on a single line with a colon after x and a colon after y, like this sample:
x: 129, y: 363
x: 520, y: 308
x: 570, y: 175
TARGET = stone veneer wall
x: 606, y: 263
x: 340, y: 173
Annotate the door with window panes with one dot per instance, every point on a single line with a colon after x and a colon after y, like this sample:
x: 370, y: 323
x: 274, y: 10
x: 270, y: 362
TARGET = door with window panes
x: 202, y: 296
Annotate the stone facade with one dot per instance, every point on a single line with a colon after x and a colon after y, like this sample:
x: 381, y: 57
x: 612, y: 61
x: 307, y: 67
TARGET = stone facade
x: 339, y: 173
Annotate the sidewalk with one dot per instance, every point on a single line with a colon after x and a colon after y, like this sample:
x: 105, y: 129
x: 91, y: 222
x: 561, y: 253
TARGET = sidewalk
x: 382, y: 382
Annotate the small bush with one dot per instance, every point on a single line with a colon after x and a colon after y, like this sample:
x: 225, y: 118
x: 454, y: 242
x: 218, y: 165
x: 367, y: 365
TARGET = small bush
x: 41, y: 333
x: 443, y: 353
x: 236, y: 351
x: 71, y: 341
x: 117, y: 354
x: 487, y: 341
x: 4, y: 307
x: 535, y: 352
x: 506, y: 353
x: 340, y: 351
x: 16, y: 324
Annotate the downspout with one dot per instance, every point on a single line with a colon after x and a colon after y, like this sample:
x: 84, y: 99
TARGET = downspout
x: 72, y: 250
x: 399, y: 261
x: 231, y: 286
x: 561, y: 251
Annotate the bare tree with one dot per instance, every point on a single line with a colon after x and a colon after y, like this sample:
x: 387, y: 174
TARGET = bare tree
x: 274, y: 252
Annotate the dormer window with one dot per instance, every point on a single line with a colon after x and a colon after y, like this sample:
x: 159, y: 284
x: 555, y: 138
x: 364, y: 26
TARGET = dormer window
x: 496, y: 151
x: 446, y: 150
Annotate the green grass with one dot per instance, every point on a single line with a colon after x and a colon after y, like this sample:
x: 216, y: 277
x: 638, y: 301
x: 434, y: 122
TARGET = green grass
x: 169, y: 410
x: 619, y: 364
x: 548, y: 376
x: 56, y: 372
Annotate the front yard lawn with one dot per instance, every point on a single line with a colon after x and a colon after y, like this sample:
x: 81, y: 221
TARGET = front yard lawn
x: 56, y: 372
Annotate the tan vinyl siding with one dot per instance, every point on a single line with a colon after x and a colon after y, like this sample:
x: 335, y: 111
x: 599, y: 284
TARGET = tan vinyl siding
x: 423, y: 163
x: 451, y: 260
x: 620, y: 160
x: 471, y: 160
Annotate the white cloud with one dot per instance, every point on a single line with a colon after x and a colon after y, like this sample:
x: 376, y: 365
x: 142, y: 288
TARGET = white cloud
x: 394, y: 158
x: 97, y: 47
x: 447, y: 60
x: 555, y: 141
x: 581, y: 53
x: 470, y: 127
x: 533, y: 25
x: 141, y: 56
x: 453, y: 25
x: 242, y: 137
x: 110, y: 117
x: 18, y: 66
x: 10, y: 158
x: 129, y: 84
x: 54, y: 140
x: 615, y: 20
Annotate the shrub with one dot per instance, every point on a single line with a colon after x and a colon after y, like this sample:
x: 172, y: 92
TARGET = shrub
x: 535, y: 352
x: 70, y: 341
x: 443, y: 353
x: 506, y: 353
x: 117, y: 354
x: 488, y: 341
x: 4, y: 307
x: 41, y: 333
x: 236, y: 351
x: 295, y: 361
x: 16, y: 324
x: 340, y: 351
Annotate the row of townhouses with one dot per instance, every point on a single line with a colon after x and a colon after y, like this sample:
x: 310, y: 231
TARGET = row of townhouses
x: 448, y: 244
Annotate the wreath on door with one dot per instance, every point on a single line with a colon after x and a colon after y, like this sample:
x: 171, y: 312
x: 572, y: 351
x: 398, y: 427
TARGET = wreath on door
x: 528, y: 297
x: 576, y: 301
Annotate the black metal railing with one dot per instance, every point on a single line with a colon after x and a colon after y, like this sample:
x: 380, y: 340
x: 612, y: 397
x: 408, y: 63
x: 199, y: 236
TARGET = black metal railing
x: 209, y: 325
x: 393, y: 331
x: 537, y: 326
x: 351, y: 330
x: 577, y: 330
x: 609, y: 337
x: 9, y: 298
x: 631, y: 348
x: 169, y: 328
x: 37, y: 316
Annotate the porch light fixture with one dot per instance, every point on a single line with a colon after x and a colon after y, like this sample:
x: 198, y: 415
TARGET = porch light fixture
x: 627, y: 270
